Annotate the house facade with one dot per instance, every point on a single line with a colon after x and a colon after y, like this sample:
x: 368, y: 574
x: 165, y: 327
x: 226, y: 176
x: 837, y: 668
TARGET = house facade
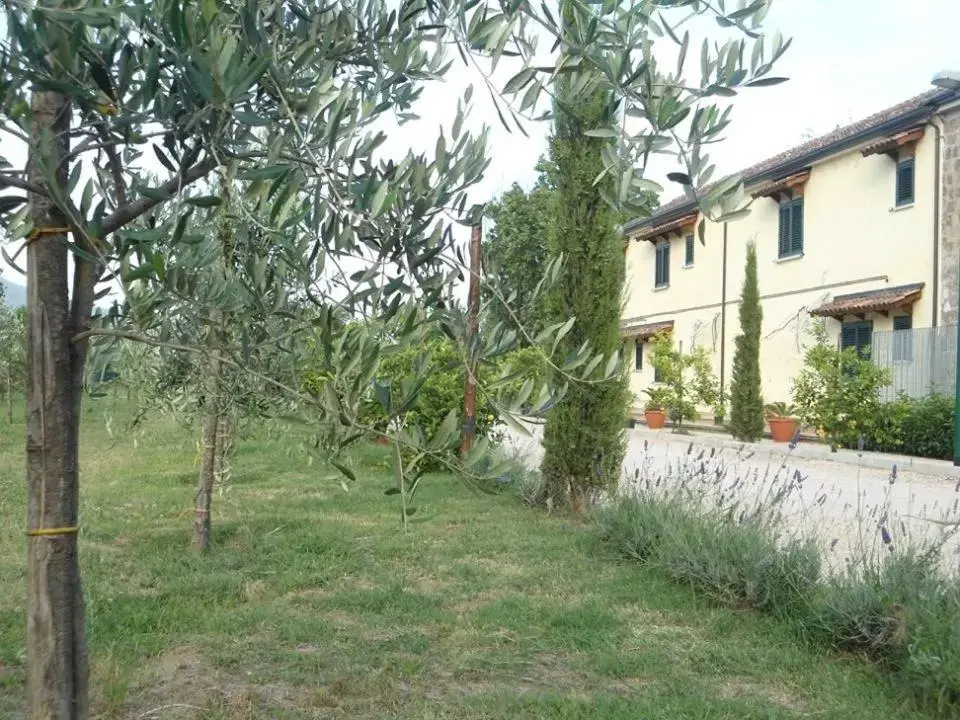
x: 860, y: 227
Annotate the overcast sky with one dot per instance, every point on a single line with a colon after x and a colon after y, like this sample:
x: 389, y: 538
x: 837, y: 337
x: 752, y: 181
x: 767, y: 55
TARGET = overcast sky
x: 849, y: 58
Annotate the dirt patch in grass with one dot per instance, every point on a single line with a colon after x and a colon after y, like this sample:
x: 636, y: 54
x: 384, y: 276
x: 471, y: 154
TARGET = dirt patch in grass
x: 548, y: 672
x: 770, y: 692
x: 182, y: 685
x: 310, y: 592
x: 356, y: 582
x: 354, y: 520
x: 629, y: 684
x: 371, y: 695
x: 642, y: 620
x: 504, y: 568
x: 475, y: 602
x: 427, y: 585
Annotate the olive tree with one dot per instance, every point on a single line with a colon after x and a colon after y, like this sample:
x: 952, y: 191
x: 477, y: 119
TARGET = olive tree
x: 11, y: 351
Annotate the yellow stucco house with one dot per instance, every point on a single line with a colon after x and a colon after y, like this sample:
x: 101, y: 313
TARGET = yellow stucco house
x: 860, y: 227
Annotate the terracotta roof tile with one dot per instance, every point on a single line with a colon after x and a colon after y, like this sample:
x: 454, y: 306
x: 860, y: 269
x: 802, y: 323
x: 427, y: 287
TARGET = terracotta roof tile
x: 799, y: 152
x: 872, y: 301
x: 646, y: 330
x: 776, y: 186
x: 893, y: 142
x: 686, y: 223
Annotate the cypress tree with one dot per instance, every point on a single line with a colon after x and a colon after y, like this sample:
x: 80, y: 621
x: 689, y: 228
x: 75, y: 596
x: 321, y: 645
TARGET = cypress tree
x: 584, y: 441
x: 746, y: 402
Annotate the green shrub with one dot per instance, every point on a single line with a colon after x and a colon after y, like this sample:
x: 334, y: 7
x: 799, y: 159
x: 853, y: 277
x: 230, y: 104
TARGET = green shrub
x: 928, y: 427
x: 440, y: 365
x: 838, y: 392
x: 922, y: 427
x: 445, y: 377
x: 885, y: 432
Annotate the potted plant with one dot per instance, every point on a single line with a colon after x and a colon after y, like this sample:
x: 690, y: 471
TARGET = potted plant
x: 782, y: 421
x: 655, y: 410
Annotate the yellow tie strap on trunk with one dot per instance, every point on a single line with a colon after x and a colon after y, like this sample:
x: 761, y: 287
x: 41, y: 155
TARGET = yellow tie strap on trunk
x: 46, y: 532
x: 37, y: 232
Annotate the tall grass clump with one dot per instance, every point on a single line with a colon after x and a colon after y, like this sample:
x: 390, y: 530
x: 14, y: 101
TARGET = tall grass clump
x: 744, y: 538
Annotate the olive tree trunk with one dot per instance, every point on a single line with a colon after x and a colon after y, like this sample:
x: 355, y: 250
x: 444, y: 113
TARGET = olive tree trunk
x: 57, y: 670
x: 224, y: 445
x: 9, y: 396
x: 202, y: 526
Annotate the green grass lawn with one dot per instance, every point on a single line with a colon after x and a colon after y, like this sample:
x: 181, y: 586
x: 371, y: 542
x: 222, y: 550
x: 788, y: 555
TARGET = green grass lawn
x: 315, y: 604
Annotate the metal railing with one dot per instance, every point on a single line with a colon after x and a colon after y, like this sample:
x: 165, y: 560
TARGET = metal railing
x: 922, y: 361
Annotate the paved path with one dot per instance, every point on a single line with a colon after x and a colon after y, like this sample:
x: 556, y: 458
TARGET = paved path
x: 841, y: 498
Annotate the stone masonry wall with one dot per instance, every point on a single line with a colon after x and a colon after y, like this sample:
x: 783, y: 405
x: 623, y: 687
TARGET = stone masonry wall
x: 950, y: 219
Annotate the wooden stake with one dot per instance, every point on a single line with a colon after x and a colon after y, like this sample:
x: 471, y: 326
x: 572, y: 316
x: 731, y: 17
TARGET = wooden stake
x: 473, y: 320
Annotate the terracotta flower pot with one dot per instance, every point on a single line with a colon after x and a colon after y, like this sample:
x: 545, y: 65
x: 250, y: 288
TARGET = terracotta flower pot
x: 782, y: 428
x: 656, y: 419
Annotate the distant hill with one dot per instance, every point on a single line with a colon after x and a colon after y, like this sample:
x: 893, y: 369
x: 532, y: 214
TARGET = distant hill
x: 14, y: 295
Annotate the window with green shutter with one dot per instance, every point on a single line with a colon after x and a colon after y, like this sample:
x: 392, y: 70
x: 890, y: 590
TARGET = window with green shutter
x: 791, y: 228
x: 903, y: 339
x: 638, y: 360
x: 662, y: 273
x: 688, y: 259
x: 905, y: 181
x: 858, y: 335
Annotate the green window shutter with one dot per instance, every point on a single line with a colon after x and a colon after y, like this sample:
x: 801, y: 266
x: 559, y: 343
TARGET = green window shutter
x: 864, y: 338
x: 848, y: 336
x: 638, y: 360
x: 663, y: 264
x: 688, y: 260
x: 903, y: 322
x: 796, y: 227
x: 905, y: 181
x: 657, y: 375
x: 784, y: 244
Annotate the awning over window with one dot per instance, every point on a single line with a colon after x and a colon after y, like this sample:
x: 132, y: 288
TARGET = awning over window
x: 645, y: 331
x: 875, y: 301
x: 789, y: 184
x: 680, y: 226
x: 894, y: 143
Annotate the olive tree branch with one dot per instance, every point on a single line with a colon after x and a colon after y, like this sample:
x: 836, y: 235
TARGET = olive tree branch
x: 131, y: 211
